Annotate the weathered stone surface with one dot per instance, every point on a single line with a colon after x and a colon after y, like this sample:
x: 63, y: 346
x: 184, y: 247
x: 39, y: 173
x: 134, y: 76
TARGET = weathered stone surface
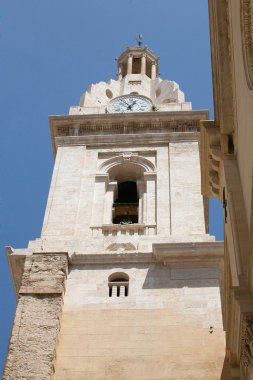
x: 37, y: 319
x: 44, y: 273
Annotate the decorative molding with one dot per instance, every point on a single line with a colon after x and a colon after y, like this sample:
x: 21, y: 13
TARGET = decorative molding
x: 121, y: 247
x: 115, y: 258
x: 146, y: 164
x: 187, y: 254
x: 134, y: 82
x: 128, y: 128
x: 247, y: 39
x: 138, y: 128
x: 222, y: 64
x: 211, y: 159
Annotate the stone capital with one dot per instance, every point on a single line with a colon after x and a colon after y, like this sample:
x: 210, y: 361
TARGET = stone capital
x: 149, y: 176
x: 102, y: 178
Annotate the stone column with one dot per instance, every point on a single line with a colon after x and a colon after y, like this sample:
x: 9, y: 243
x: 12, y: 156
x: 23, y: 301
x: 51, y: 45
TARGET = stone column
x: 109, y: 198
x: 122, y: 291
x: 101, y: 182
x: 37, y: 320
x: 153, y: 70
x: 150, y: 179
x: 141, y: 191
x: 114, y: 291
x: 143, y: 64
x: 120, y: 71
x: 144, y: 208
x: 129, y: 64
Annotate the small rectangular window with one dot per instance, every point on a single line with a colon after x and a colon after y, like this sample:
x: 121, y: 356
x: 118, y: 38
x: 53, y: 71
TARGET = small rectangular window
x: 118, y: 289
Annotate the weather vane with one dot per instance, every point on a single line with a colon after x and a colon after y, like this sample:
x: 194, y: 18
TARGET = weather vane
x: 139, y: 40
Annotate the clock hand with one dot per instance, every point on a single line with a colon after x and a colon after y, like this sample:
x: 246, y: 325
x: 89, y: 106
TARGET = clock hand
x: 125, y: 102
x: 129, y: 106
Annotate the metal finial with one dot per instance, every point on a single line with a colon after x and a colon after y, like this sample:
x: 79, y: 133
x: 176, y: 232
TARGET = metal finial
x: 139, y: 39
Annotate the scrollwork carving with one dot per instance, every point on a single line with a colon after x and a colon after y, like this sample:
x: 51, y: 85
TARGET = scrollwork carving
x: 247, y: 341
x: 247, y: 39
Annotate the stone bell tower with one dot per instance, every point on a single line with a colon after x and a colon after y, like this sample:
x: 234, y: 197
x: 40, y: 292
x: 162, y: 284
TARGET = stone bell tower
x: 124, y: 281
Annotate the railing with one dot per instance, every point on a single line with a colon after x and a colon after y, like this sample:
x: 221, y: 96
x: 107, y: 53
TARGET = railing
x: 123, y: 229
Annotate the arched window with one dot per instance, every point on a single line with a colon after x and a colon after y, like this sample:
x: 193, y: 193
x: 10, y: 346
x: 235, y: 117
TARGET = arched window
x: 118, y: 285
x: 127, y: 203
x: 124, y: 193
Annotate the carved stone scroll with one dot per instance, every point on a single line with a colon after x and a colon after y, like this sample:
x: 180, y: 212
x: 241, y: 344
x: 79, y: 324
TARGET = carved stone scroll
x: 247, y: 39
x: 247, y: 341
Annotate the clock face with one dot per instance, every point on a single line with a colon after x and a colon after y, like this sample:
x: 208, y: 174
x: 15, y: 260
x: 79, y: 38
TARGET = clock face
x: 130, y: 103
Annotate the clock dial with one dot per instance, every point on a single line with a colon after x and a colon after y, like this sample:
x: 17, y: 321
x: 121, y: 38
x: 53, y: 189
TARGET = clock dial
x: 130, y: 103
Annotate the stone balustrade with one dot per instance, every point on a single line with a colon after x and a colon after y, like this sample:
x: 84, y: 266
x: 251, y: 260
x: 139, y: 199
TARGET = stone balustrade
x: 123, y: 229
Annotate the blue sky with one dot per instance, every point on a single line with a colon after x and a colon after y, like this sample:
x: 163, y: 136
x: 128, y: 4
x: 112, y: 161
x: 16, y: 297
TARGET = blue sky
x: 51, y: 51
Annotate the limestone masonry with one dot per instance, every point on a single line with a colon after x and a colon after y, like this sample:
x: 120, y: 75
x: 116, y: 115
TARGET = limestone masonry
x: 125, y: 281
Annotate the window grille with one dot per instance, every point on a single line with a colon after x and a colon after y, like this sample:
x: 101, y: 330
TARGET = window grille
x: 118, y: 285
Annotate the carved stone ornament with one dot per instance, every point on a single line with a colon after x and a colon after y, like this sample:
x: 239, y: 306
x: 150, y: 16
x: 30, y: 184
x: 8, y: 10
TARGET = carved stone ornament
x: 247, y: 39
x: 247, y: 341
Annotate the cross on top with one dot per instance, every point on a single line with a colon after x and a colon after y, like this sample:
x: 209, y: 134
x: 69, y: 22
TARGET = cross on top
x: 139, y: 39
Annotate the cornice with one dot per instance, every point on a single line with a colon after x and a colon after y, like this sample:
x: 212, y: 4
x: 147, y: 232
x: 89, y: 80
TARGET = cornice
x: 137, y: 50
x: 196, y: 254
x: 112, y: 258
x: 55, y: 120
x: 125, y: 128
x: 199, y: 254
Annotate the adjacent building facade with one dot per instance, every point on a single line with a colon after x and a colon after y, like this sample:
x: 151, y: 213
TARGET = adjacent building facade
x: 125, y: 281
x: 226, y: 169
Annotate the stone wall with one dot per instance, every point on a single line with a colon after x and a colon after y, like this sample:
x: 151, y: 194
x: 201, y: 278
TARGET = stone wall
x: 77, y: 202
x: 168, y: 327
x: 37, y: 319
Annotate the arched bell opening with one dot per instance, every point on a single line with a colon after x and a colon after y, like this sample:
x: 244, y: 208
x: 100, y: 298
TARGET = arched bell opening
x: 129, y: 186
x: 126, y: 206
x: 125, y: 192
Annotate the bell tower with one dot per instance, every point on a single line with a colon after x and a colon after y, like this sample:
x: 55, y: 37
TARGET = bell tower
x: 124, y: 282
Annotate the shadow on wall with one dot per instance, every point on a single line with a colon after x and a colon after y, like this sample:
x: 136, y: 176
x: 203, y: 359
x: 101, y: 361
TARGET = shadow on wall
x: 164, y: 277
x: 157, y: 276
